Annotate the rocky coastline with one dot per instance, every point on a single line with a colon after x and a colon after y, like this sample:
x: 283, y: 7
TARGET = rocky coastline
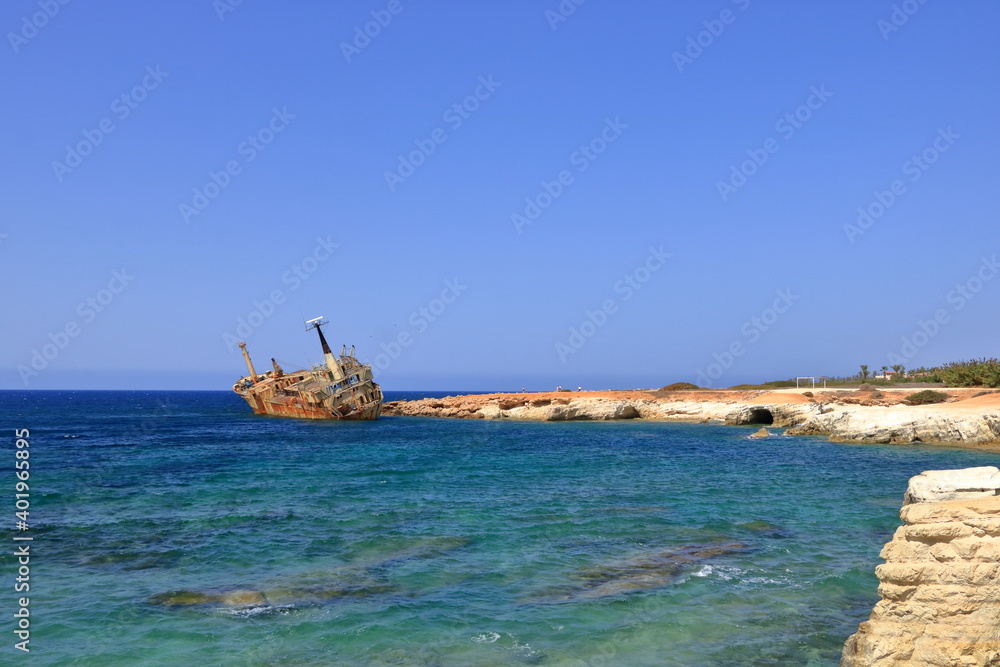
x: 940, y: 583
x: 970, y: 418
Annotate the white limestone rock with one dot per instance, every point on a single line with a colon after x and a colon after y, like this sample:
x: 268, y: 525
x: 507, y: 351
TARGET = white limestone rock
x: 933, y: 486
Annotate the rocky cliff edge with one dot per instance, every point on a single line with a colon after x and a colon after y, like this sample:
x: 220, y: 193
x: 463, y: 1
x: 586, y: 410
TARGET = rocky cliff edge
x: 940, y: 583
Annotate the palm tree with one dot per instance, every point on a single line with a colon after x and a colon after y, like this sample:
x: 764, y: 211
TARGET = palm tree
x: 899, y: 368
x: 864, y: 372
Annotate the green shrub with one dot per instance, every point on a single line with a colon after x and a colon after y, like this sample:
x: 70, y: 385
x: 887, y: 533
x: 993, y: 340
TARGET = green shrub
x: 680, y: 386
x: 926, y: 397
x: 973, y: 373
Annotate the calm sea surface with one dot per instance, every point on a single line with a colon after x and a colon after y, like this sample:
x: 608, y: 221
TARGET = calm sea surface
x: 176, y: 528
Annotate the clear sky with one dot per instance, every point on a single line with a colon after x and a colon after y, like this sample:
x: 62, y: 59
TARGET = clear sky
x: 495, y: 195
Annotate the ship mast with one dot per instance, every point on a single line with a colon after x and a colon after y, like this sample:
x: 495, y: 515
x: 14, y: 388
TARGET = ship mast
x: 331, y: 361
x: 246, y: 357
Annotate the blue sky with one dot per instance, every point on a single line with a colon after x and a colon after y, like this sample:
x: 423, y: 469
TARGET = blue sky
x: 496, y: 195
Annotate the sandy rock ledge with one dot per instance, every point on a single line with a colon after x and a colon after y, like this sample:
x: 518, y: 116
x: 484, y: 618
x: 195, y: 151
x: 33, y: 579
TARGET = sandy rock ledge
x: 940, y: 583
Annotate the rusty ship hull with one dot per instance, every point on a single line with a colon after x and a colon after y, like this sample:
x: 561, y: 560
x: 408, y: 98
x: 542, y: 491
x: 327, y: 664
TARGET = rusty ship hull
x: 342, y: 388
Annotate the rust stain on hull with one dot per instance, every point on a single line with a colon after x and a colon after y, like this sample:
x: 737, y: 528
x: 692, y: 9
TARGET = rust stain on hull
x: 342, y: 388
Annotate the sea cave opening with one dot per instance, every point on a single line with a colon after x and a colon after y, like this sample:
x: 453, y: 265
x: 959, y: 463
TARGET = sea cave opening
x: 761, y: 416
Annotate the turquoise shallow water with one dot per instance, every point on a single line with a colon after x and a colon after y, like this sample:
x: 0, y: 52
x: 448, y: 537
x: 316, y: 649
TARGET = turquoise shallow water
x: 440, y: 542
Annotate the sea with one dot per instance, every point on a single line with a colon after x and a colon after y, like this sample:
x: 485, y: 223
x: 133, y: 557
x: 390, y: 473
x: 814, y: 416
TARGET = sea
x: 177, y: 528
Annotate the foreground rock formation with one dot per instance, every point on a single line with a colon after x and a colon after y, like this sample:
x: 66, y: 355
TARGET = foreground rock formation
x: 844, y: 416
x: 932, y: 486
x: 940, y: 583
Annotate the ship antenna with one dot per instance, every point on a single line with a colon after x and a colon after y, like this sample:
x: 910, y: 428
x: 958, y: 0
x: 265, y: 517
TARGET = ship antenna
x: 317, y: 324
x: 336, y: 372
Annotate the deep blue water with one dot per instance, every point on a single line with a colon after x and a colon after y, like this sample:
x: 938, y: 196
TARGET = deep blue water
x: 411, y: 541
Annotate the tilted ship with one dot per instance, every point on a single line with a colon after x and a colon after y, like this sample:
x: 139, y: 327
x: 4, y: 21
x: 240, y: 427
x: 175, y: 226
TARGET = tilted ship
x: 342, y: 388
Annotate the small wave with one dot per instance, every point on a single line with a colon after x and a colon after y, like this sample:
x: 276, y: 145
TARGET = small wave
x: 524, y: 652
x: 257, y: 610
x: 742, y: 578
x: 701, y: 572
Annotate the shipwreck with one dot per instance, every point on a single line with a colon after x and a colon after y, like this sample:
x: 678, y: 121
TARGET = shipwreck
x: 341, y: 388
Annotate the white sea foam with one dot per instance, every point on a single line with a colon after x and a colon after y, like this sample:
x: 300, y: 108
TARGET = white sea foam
x: 486, y: 638
x: 524, y: 651
x: 743, y: 578
x: 257, y: 610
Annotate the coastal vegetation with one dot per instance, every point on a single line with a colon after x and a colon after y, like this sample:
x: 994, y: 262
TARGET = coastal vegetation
x: 926, y: 397
x: 773, y: 384
x: 984, y: 372
x: 973, y: 373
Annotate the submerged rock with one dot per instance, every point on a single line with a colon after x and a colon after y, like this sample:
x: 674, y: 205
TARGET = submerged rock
x: 765, y: 528
x: 642, y: 572
x: 358, y: 579
x: 272, y: 598
x: 424, y: 548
